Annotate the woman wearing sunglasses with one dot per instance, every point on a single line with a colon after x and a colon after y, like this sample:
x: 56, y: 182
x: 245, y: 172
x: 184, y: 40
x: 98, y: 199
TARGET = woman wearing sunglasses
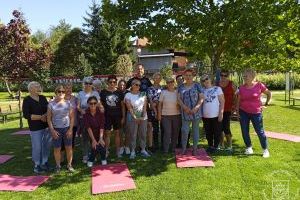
x: 229, y: 90
x: 169, y: 115
x: 81, y: 107
x: 136, y: 103
x: 94, y: 123
x: 60, y: 119
x: 114, y: 107
x: 213, y: 107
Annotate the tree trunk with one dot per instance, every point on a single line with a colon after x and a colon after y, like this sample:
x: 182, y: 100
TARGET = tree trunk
x: 7, y: 87
x: 20, y: 107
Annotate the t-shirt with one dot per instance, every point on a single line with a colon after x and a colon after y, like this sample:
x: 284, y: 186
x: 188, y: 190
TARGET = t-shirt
x: 169, y: 101
x: 95, y: 123
x: 211, y: 102
x: 190, y: 97
x: 83, y: 97
x: 137, y: 102
x: 112, y: 102
x: 250, y: 98
x: 60, y: 113
x: 33, y: 107
x: 145, y: 83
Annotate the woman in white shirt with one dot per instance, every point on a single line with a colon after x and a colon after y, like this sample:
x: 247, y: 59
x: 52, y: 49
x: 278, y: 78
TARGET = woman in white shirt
x: 213, y: 108
x: 169, y: 115
x: 136, y: 103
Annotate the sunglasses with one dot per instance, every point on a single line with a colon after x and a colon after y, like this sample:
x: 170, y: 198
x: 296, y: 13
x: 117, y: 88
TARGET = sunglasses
x: 204, y: 79
x: 93, y: 103
x: 86, y: 83
x: 224, y: 75
x: 60, y: 91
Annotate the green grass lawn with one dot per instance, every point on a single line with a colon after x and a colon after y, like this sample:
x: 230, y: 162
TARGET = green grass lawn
x: 233, y: 177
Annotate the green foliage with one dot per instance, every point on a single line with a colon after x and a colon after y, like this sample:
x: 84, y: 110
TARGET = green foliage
x: 57, y: 33
x: 105, y: 41
x: 166, y: 71
x: 124, y: 65
x: 215, y: 29
x: 68, y: 58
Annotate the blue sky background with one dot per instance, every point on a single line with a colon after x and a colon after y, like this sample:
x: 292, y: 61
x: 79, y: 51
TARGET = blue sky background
x: 41, y: 14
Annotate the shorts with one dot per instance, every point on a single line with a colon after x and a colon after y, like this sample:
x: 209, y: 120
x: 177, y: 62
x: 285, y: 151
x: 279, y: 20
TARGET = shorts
x: 62, y: 137
x: 112, y: 122
x: 73, y: 139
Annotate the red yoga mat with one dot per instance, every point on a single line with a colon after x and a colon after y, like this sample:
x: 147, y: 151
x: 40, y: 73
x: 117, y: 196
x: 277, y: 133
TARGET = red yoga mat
x: 22, y: 132
x: 188, y: 160
x: 283, y: 136
x: 111, y: 178
x: 21, y: 183
x: 5, y: 158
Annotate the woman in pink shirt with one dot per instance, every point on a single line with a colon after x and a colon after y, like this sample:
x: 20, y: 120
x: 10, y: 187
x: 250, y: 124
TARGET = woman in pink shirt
x: 250, y: 109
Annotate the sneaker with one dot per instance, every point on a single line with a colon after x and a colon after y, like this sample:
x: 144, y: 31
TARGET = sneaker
x: 132, y: 155
x: 57, y: 169
x: 229, y: 149
x: 107, y: 153
x: 70, y: 169
x: 121, y: 151
x: 249, y: 151
x: 103, y: 162
x: 195, y: 152
x: 266, y: 153
x: 38, y: 170
x: 46, y: 167
x: 145, y: 153
x: 90, y: 164
x: 84, y: 159
x: 127, y: 150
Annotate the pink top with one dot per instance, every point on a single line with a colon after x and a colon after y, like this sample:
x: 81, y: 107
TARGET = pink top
x: 250, y: 98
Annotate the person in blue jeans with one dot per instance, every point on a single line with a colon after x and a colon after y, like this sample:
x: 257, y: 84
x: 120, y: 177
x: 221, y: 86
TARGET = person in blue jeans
x: 60, y: 117
x: 190, y: 98
x: 250, y: 109
x: 35, y: 111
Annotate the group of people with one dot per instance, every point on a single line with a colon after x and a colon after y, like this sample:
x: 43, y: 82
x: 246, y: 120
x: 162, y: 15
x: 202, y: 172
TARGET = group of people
x: 136, y: 111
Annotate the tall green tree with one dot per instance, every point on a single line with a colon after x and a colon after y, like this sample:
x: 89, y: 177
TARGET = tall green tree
x: 57, y: 33
x: 68, y: 56
x: 217, y: 29
x: 105, y: 41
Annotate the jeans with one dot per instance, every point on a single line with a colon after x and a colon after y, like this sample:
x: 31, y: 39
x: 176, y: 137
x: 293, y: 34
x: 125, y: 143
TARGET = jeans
x: 41, y: 142
x: 137, y: 130
x: 257, y: 121
x: 156, y: 126
x: 99, y: 149
x: 171, y: 124
x: 185, y: 132
x: 85, y: 143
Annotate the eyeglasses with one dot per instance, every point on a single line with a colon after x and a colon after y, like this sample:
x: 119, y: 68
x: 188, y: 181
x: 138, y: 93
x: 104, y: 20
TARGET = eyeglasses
x: 204, y: 79
x: 224, y: 75
x: 60, y: 91
x: 86, y: 83
x: 112, y: 82
x: 93, y: 103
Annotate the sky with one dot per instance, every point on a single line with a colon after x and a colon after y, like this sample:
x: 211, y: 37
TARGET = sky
x: 41, y: 14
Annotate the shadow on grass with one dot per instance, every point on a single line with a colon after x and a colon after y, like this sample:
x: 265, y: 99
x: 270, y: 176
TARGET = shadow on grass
x: 296, y: 107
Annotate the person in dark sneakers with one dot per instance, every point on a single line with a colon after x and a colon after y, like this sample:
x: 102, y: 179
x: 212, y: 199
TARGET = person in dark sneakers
x: 35, y: 111
x: 114, y: 108
x: 94, y: 123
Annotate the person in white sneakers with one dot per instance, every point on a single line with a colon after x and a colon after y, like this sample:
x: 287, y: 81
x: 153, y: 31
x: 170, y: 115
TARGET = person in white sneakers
x: 250, y: 109
x: 94, y: 124
x: 136, y: 103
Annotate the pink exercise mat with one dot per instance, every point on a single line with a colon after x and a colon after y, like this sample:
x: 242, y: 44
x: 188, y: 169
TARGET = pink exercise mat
x: 283, y: 136
x: 111, y: 178
x: 5, y: 158
x: 188, y: 160
x: 21, y: 183
x: 22, y: 132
